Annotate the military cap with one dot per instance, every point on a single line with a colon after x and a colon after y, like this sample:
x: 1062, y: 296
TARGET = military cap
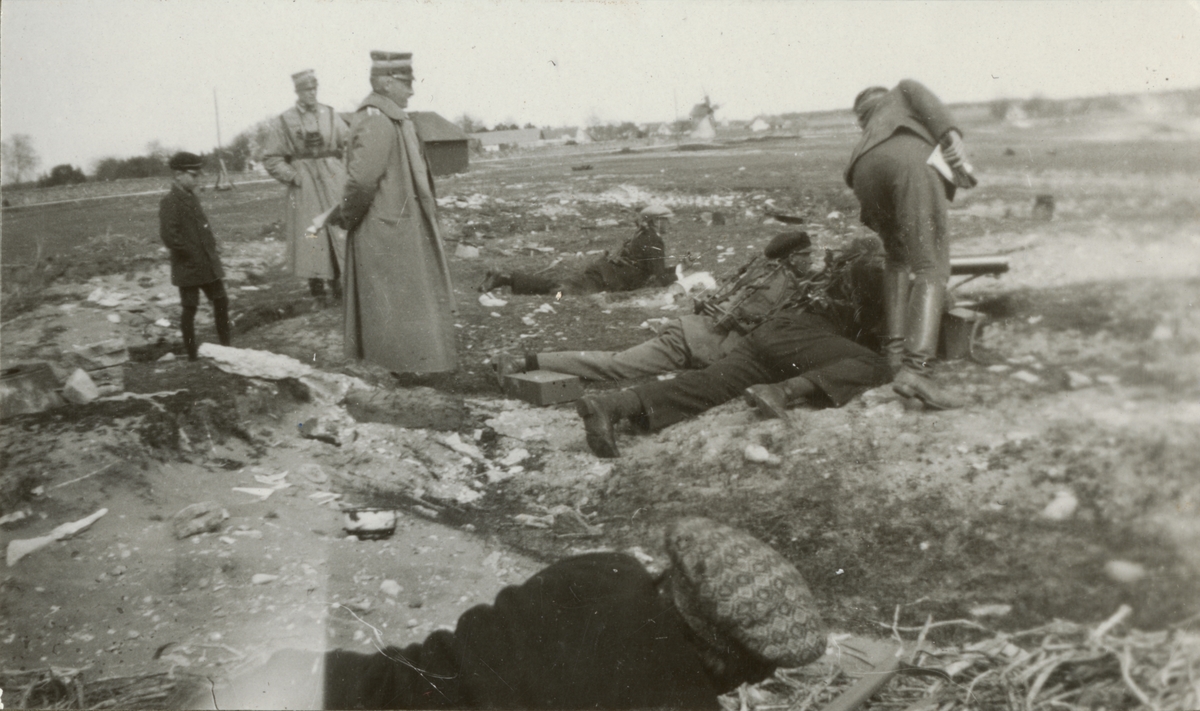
x: 728, y: 585
x: 392, y: 64
x: 785, y: 243
x: 304, y: 79
x: 656, y: 210
x: 185, y: 161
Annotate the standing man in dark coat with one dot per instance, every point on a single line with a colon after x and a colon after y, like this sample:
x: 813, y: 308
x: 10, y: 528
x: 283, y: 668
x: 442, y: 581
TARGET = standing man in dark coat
x: 596, y: 631
x: 399, y: 298
x: 304, y: 152
x: 195, y: 263
x: 904, y: 198
x: 640, y: 263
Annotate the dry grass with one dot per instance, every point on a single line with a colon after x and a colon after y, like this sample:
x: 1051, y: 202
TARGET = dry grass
x: 1058, y: 666
x: 60, y: 688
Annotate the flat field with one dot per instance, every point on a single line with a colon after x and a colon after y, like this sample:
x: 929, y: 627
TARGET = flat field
x: 1068, y: 487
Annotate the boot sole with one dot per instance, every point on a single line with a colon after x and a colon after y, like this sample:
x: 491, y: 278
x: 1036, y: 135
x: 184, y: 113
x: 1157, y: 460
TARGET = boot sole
x: 604, y: 443
x: 764, y: 408
x: 930, y: 403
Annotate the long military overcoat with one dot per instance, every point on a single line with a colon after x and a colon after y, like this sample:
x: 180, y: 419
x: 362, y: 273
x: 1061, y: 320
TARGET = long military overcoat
x: 399, y: 298
x: 309, y: 162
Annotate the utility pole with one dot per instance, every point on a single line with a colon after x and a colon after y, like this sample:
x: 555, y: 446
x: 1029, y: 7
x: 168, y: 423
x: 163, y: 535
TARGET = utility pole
x: 223, y: 181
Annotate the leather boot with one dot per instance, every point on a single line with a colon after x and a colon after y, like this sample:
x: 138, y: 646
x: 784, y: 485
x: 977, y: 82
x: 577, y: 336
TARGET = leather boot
x: 221, y: 316
x: 896, y: 286
x: 600, y: 413
x: 187, y: 325
x: 926, y: 303
x: 772, y: 400
x: 506, y: 364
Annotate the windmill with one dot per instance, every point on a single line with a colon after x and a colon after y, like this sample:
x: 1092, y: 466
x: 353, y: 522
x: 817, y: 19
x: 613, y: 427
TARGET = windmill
x: 702, y: 118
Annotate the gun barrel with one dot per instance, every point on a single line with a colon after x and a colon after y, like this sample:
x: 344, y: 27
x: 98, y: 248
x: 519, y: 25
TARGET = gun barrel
x: 971, y: 266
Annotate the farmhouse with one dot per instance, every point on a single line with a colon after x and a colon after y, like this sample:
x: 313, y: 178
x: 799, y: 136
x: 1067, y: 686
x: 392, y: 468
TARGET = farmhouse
x: 445, y: 143
x: 518, y: 138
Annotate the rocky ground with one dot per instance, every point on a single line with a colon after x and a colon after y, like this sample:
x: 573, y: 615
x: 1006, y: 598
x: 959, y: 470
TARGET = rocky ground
x: 1066, y: 488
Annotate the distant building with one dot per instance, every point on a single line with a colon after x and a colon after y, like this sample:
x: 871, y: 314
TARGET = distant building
x: 759, y: 124
x: 445, y: 143
x: 559, y: 135
x: 519, y: 138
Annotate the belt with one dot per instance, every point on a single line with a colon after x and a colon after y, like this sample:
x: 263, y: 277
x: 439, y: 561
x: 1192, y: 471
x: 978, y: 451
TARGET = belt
x: 323, y: 154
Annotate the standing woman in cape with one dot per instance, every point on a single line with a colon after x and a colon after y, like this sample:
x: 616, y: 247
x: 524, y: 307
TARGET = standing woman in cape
x: 399, y: 299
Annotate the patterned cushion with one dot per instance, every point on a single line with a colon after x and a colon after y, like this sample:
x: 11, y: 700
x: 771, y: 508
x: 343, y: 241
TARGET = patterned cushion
x: 728, y: 584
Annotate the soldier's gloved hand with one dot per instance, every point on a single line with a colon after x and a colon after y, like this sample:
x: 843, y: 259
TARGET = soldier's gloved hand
x: 953, y: 149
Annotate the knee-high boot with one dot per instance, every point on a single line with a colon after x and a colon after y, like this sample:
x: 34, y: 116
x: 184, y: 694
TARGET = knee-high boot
x: 221, y: 317
x: 926, y: 303
x: 601, y: 412
x: 187, y: 324
x: 896, y: 287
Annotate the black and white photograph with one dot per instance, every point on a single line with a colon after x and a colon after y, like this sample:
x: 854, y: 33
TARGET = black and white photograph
x: 744, y: 355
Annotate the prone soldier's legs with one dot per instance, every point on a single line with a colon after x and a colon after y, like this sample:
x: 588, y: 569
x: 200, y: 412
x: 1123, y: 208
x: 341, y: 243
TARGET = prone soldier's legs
x: 666, y: 353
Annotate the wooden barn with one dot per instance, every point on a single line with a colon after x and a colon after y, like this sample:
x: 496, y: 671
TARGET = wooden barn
x: 445, y: 143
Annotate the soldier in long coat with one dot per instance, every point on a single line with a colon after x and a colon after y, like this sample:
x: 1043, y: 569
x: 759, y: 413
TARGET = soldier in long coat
x: 304, y: 152
x: 399, y: 300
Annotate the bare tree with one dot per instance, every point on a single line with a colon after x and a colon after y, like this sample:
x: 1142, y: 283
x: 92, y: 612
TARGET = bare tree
x: 20, y: 160
x: 470, y: 124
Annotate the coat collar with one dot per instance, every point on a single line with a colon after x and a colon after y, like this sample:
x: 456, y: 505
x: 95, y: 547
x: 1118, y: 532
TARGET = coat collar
x: 385, y: 105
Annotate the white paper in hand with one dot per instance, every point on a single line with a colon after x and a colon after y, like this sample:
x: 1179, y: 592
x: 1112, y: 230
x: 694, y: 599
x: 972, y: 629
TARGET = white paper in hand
x: 318, y: 223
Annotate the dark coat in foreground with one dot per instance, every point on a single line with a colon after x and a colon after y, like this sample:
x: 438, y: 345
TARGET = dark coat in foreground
x: 184, y: 229
x: 593, y: 631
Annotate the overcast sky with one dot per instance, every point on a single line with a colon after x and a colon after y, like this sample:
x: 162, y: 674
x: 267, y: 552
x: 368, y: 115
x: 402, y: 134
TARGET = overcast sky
x: 94, y: 78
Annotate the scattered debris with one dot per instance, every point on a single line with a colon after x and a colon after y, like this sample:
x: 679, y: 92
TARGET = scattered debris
x: 79, y: 388
x: 21, y: 547
x: 263, y: 578
x: 312, y: 428
x: 1077, y: 381
x: 1026, y: 377
x: 1062, y: 507
x: 758, y: 453
x: 204, y: 517
x: 1124, y: 571
x: 370, y: 523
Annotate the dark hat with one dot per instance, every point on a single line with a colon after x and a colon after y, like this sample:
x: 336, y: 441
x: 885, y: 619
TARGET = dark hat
x: 785, y: 243
x: 185, y: 161
x: 729, y: 585
x: 866, y: 94
x: 392, y: 64
x: 304, y: 79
